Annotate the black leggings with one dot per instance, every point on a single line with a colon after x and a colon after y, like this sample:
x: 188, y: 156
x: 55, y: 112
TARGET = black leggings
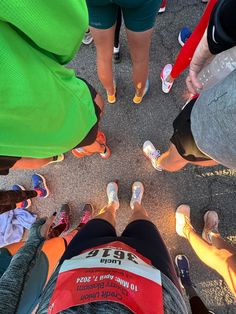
x: 9, y: 199
x: 142, y: 235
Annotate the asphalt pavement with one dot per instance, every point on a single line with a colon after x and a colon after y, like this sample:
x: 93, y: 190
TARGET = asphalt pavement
x: 127, y: 126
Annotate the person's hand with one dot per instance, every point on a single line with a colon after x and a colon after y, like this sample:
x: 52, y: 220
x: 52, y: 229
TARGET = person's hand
x: 201, y: 56
x: 45, y: 228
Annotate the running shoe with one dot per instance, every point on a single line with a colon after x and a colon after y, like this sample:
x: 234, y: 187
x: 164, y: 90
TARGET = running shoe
x: 88, y: 38
x: 116, y: 55
x: 211, y: 223
x: 152, y: 154
x: 138, y: 99
x: 163, y: 6
x: 204, y: 1
x: 166, y: 86
x: 40, y: 185
x: 64, y: 217
x: 182, y: 264
x: 107, y: 152
x: 137, y: 193
x: 101, y: 138
x: 87, y: 214
x: 182, y: 217
x: 184, y: 35
x: 112, y: 98
x: 56, y: 159
x: 25, y: 204
x: 80, y: 152
x: 112, y: 194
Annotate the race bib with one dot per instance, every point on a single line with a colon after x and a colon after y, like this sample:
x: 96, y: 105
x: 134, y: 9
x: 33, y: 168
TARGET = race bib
x: 113, y: 272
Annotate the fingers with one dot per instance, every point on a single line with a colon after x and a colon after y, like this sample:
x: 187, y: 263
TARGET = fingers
x: 193, y: 84
x: 46, y: 227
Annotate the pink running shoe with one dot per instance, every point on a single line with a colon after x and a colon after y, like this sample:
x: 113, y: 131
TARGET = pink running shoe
x: 87, y: 214
x: 64, y: 217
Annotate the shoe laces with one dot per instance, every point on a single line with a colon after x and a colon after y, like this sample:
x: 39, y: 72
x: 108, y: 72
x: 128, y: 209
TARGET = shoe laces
x: 155, y: 154
x: 86, y: 216
x: 136, y: 192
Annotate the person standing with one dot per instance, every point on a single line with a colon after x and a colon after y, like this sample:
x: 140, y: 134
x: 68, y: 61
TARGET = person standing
x: 45, y: 115
x: 139, y: 18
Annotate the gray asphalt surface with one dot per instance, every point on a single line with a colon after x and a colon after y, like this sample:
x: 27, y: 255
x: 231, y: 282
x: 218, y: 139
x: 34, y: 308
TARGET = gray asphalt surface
x: 127, y: 126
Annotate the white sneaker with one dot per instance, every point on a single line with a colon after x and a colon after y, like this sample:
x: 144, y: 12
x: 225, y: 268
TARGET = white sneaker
x: 112, y: 194
x: 152, y: 154
x: 166, y: 86
x: 88, y: 38
x: 182, y: 217
x: 137, y: 193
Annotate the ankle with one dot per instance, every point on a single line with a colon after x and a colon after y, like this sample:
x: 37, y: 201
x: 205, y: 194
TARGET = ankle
x: 187, y: 229
x: 169, y: 79
x: 111, y: 91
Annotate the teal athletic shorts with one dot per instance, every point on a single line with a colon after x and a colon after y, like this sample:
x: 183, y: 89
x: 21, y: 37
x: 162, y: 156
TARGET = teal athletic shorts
x: 138, y: 15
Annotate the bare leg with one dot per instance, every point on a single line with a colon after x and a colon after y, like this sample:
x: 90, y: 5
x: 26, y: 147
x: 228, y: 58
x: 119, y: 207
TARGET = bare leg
x: 139, y: 212
x: 108, y: 213
x: 104, y: 40
x: 139, y: 45
x: 220, y: 256
x: 173, y: 161
x: 31, y: 163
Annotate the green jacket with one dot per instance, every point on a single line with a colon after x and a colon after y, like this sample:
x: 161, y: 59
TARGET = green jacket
x: 44, y: 109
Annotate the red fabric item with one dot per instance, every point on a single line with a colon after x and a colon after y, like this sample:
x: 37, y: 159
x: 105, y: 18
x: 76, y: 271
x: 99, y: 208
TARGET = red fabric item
x: 112, y: 272
x: 187, y: 51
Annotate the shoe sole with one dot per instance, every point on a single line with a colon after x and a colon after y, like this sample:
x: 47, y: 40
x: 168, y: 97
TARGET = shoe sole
x: 28, y: 200
x: 180, y: 41
x: 176, y: 258
x: 45, y: 185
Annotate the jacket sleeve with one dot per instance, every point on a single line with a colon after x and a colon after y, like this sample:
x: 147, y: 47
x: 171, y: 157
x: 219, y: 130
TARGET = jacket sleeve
x: 221, y: 32
x: 13, y: 280
x: 57, y: 26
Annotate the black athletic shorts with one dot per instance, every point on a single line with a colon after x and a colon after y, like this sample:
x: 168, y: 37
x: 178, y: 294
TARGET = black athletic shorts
x: 183, y: 137
x: 142, y: 235
x: 7, y: 162
x: 92, y: 135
